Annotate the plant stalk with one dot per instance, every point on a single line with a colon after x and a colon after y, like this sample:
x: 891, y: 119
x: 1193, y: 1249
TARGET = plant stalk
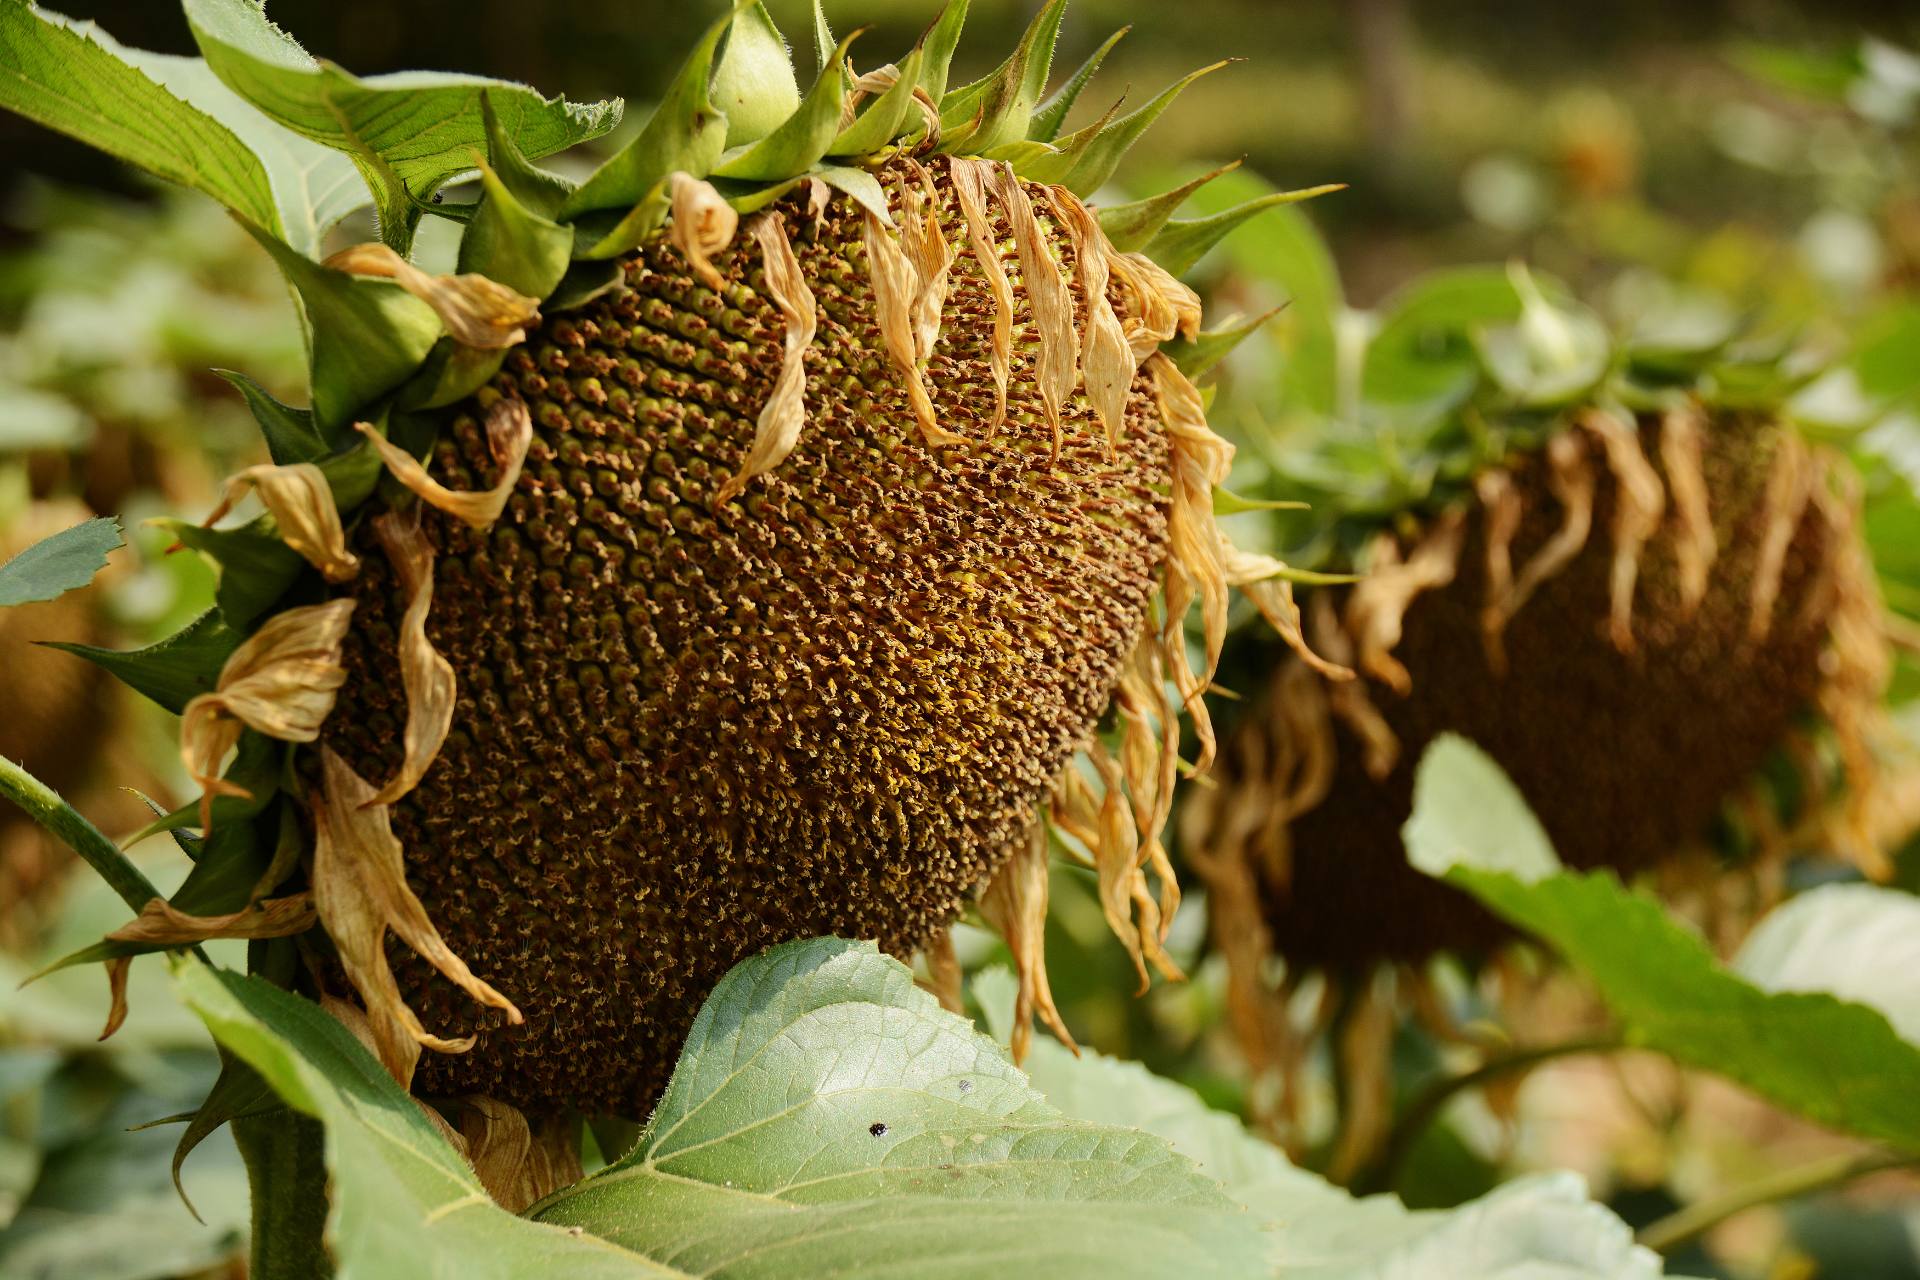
x: 287, y: 1177
x: 1683, y: 1225
x: 44, y: 805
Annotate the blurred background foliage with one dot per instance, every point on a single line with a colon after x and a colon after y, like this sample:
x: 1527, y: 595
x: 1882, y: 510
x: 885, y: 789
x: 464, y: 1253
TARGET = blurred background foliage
x: 1761, y: 153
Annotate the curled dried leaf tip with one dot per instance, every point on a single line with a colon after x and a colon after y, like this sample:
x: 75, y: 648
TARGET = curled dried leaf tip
x: 785, y: 412
x: 509, y: 434
x: 300, y: 501
x: 703, y: 224
x: 165, y: 924
x: 282, y: 681
x: 1015, y: 904
x: 969, y: 189
x: 896, y: 288
x: 476, y: 311
x: 1057, y: 363
x: 360, y: 889
x: 1107, y: 359
x: 426, y: 676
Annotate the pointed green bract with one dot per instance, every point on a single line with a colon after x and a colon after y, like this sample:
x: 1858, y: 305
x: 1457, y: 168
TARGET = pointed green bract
x: 1051, y: 115
x: 1205, y: 350
x: 256, y: 568
x: 512, y: 245
x: 1106, y: 144
x: 881, y: 122
x: 940, y: 40
x: 1181, y: 243
x: 803, y: 137
x: 174, y: 671
x: 997, y: 110
x: 408, y: 133
x: 1129, y: 227
x: 687, y: 131
x: 369, y: 336
x: 753, y: 84
x: 1051, y: 162
x: 289, y: 432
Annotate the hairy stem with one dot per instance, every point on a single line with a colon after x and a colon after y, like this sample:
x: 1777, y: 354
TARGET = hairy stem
x: 1679, y: 1227
x: 44, y: 805
x: 287, y: 1174
x: 1430, y: 1101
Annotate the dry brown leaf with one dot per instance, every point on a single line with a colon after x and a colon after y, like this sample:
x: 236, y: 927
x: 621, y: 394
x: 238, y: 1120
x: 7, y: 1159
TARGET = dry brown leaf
x: 476, y: 311
x: 785, y: 413
x: 281, y: 681
x: 163, y: 923
x: 702, y: 225
x: 1057, y: 363
x: 117, y: 970
x: 969, y: 187
x: 509, y: 433
x: 300, y: 501
x: 360, y: 888
x: 426, y: 676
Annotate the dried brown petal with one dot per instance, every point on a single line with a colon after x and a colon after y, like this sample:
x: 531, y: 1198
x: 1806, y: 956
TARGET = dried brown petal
x: 1057, y: 366
x: 895, y: 287
x: 162, y: 923
x: 1501, y: 505
x: 117, y: 970
x: 282, y: 681
x: 1379, y: 604
x: 426, y: 676
x: 360, y: 888
x: 476, y: 311
x: 969, y: 178
x: 1571, y: 480
x: 1789, y: 486
x: 944, y: 976
x: 926, y: 247
x: 1015, y: 904
x: 785, y: 412
x: 1696, y: 548
x: 703, y: 224
x: 1639, y: 501
x: 509, y: 432
x: 1157, y: 306
x: 301, y: 502
x: 1107, y: 360
x: 517, y: 1164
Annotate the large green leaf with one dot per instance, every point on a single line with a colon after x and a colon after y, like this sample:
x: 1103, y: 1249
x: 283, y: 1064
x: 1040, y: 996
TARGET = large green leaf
x: 408, y: 132
x: 171, y: 116
x: 1858, y: 941
x: 1832, y: 1060
x: 60, y: 562
x: 828, y: 1117
x: 1537, y: 1226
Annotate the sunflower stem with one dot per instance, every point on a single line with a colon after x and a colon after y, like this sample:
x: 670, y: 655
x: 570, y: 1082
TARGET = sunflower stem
x: 44, y: 805
x: 1432, y: 1100
x: 1677, y: 1228
x: 287, y: 1175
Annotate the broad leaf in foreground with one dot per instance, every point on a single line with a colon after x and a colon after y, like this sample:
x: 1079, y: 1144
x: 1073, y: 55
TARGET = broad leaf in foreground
x: 1535, y: 1227
x: 60, y: 563
x: 1834, y: 1061
x: 828, y: 1117
x: 1858, y: 941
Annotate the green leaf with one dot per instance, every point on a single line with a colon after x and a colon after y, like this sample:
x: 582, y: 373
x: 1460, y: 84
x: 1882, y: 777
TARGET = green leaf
x: 405, y: 1202
x: 1182, y: 242
x: 60, y: 562
x: 541, y: 192
x: 1052, y: 114
x: 1537, y: 1226
x: 369, y: 336
x: 1098, y: 154
x: 175, y: 670
x: 76, y: 79
x: 998, y: 109
x: 238, y: 1093
x: 1424, y: 352
x: 687, y: 131
x: 803, y: 137
x: 407, y: 133
x: 827, y: 1113
x: 289, y: 432
x: 1835, y: 1062
x: 753, y: 85
x: 881, y: 121
x: 1856, y: 941
x: 41, y: 803
x: 1228, y: 503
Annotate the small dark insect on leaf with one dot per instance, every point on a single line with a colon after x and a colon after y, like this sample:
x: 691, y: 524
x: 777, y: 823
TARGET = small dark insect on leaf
x: 966, y: 1086
x: 877, y: 1129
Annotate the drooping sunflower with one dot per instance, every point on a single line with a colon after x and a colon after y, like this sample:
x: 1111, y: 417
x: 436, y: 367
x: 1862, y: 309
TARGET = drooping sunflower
x: 746, y: 542
x: 1618, y: 566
